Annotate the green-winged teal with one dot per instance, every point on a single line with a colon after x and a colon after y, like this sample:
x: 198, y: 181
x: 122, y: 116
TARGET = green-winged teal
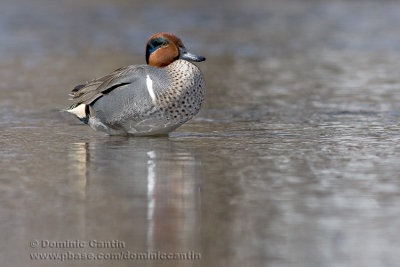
x: 152, y: 99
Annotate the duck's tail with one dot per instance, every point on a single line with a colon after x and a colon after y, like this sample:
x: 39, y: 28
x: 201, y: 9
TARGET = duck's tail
x: 81, y: 111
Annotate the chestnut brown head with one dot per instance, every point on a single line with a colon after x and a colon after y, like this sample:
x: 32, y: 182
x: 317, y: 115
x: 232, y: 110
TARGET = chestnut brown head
x: 164, y: 48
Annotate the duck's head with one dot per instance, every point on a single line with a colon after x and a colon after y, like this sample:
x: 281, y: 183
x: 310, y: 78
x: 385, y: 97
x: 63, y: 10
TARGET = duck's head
x: 163, y: 48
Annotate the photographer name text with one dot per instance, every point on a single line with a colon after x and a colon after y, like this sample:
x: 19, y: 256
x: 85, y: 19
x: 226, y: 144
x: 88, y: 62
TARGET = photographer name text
x: 70, y: 244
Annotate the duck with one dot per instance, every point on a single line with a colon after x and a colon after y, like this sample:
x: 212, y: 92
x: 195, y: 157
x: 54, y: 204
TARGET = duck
x: 144, y: 100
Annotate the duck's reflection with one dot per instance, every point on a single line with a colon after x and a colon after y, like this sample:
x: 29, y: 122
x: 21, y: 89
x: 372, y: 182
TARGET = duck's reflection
x: 150, y: 195
x: 143, y: 191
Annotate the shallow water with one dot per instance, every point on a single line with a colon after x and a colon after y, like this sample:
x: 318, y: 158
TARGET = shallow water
x: 293, y: 160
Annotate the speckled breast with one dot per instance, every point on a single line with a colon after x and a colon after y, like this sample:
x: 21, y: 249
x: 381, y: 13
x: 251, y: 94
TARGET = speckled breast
x: 185, y: 93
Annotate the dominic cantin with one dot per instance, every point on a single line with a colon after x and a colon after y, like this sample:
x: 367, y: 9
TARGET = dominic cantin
x: 82, y: 244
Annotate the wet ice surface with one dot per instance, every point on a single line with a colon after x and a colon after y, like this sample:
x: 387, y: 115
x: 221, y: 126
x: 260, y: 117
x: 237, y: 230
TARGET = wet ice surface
x: 293, y: 161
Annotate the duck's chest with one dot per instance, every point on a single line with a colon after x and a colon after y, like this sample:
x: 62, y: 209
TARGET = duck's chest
x: 181, y: 98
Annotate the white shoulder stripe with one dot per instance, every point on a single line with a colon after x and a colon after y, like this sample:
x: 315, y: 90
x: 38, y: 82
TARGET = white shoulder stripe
x: 149, y: 84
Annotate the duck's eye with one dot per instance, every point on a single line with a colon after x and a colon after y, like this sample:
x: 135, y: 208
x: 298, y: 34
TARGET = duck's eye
x: 158, y: 42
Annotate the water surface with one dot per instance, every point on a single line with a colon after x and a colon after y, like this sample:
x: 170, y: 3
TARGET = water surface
x: 293, y: 160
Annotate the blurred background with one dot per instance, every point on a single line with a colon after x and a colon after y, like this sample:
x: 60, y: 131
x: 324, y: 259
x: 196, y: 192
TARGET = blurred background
x: 293, y: 160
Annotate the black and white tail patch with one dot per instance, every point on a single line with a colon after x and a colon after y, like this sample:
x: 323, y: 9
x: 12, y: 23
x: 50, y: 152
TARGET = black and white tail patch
x: 81, y: 111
